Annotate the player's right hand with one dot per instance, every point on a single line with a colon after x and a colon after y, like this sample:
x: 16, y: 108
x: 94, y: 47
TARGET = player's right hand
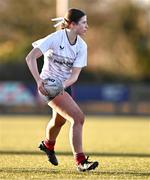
x: 40, y: 84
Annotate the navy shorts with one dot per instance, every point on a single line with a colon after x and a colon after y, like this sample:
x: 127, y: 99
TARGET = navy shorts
x: 69, y: 90
x: 47, y: 99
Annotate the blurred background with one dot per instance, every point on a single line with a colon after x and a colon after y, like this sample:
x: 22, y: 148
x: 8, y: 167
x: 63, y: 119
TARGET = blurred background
x: 116, y: 80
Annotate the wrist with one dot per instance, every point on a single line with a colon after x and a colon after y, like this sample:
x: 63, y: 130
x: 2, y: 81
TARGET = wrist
x: 38, y: 80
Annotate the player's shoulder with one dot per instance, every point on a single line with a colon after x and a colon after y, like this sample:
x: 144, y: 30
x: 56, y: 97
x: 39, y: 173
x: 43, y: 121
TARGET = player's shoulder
x: 81, y: 42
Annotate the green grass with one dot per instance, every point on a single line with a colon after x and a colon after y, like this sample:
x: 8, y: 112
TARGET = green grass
x: 120, y: 144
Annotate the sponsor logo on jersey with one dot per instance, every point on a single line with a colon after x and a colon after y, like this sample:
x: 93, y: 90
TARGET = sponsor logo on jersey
x: 63, y: 62
x: 61, y: 47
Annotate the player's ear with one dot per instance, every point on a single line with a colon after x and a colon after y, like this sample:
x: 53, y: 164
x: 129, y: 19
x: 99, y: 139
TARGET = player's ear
x: 73, y: 24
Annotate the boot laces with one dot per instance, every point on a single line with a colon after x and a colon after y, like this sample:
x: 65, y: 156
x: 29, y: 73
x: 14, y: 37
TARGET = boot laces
x: 86, y: 161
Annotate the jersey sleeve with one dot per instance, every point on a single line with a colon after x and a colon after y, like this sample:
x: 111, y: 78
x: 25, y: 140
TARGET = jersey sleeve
x: 46, y: 43
x: 81, y: 59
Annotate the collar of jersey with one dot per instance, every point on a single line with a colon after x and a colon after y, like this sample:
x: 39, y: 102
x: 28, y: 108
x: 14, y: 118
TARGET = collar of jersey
x: 69, y: 40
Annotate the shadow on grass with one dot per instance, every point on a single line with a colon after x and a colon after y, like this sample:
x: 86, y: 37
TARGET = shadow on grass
x: 142, y: 155
x: 74, y: 172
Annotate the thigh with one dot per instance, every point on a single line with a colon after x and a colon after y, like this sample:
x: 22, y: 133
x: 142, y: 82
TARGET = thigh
x: 64, y: 105
x: 47, y: 99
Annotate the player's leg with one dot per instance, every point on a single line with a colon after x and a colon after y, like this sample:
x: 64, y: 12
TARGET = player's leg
x: 67, y: 108
x: 54, y: 126
x: 52, y: 131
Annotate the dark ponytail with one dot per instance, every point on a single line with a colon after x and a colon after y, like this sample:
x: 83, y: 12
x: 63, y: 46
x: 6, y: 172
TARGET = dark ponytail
x: 73, y: 15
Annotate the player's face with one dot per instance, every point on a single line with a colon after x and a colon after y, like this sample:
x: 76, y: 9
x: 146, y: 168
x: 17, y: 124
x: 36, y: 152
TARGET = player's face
x: 82, y: 26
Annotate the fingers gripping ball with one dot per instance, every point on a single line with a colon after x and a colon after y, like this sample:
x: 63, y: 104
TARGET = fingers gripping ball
x: 53, y: 86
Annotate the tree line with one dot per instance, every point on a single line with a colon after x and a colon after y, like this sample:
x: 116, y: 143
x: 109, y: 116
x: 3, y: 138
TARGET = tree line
x: 118, y: 39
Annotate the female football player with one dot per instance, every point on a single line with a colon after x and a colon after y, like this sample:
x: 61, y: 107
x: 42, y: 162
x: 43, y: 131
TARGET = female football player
x: 65, y: 54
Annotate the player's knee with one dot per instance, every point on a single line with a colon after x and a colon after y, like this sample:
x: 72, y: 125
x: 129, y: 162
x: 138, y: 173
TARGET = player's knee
x: 59, y: 123
x: 55, y: 122
x: 79, y: 118
x: 82, y: 118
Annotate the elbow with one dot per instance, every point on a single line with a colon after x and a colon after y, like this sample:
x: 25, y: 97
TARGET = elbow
x: 27, y: 58
x: 33, y: 55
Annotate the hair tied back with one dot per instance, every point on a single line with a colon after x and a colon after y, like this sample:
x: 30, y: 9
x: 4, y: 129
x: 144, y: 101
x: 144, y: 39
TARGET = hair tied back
x: 59, y: 21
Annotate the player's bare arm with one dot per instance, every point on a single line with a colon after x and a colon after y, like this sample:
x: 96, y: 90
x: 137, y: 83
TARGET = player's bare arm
x: 73, y: 78
x: 31, y: 60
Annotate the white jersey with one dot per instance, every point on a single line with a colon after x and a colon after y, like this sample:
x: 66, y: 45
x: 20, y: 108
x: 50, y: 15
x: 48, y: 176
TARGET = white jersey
x: 60, y: 56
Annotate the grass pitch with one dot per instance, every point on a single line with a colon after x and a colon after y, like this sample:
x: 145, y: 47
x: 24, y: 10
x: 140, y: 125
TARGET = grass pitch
x: 120, y: 144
